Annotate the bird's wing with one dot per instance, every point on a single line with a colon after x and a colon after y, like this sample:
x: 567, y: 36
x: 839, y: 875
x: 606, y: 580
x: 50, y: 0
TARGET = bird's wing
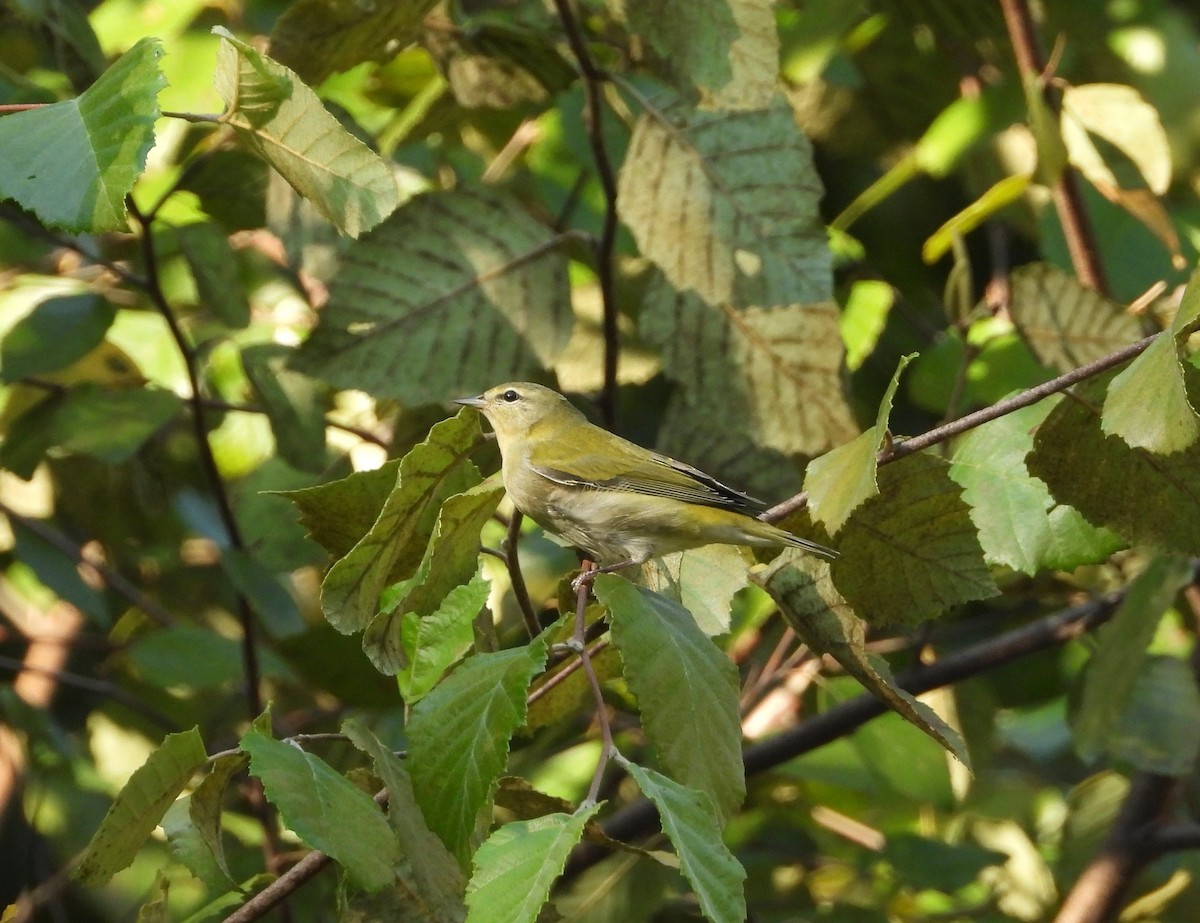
x: 648, y: 473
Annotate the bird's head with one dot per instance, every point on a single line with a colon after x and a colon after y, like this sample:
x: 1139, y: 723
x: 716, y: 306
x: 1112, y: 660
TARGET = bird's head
x: 515, y: 408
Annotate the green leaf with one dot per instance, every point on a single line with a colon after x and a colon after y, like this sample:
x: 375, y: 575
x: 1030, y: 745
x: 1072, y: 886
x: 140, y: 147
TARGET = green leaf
x: 140, y: 805
x: 268, y: 597
x: 72, y: 163
x: 725, y: 52
x: 516, y: 865
x: 419, y: 647
x: 436, y: 876
x: 295, y: 405
x: 497, y: 64
x: 395, y: 545
x: 1143, y: 497
x: 822, y: 618
x: 112, y: 425
x: 772, y: 374
x: 451, y: 559
x: 461, y: 731
x: 316, y: 38
x: 1065, y: 324
x: 921, y: 862
x: 197, y: 843
x: 325, y: 809
x: 338, y: 514
x: 1162, y: 378
x: 1121, y: 652
x: 690, y: 820
x: 702, y: 580
x: 469, y: 261
x: 726, y: 204
x: 204, y: 804
x: 911, y: 552
x: 56, y: 333
x: 283, y: 121
x: 215, y: 269
x: 863, y: 318
x: 1020, y: 524
x: 686, y: 687
x: 1159, y: 730
x: 154, y: 909
x: 842, y: 479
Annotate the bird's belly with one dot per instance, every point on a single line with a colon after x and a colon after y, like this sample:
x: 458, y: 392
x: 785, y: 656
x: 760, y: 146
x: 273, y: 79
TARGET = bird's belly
x: 615, y: 526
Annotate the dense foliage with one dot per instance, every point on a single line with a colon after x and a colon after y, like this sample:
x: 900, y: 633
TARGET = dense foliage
x: 915, y: 271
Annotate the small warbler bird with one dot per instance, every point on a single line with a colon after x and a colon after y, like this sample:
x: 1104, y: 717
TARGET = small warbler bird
x: 617, y: 501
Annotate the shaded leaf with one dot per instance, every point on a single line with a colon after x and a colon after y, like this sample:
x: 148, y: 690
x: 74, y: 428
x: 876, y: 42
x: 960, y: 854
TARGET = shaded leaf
x: 203, y: 857
x: 56, y: 333
x: 1143, y: 497
x: 690, y: 820
x: 726, y: 52
x: 268, y: 596
x: 1159, y: 730
x: 395, y: 544
x: 154, y: 909
x: 911, y: 552
x: 140, y: 805
x: 566, y: 698
x: 295, y: 405
x: 461, y: 731
x: 822, y: 618
x: 112, y: 425
x: 702, y: 580
x: 1120, y: 653
x: 841, y: 479
x: 469, y: 261
x: 99, y: 140
x: 438, y: 880
x: 204, y: 805
x: 1020, y: 524
x: 686, y: 687
x: 338, y: 514
x: 517, y: 864
x: 283, y: 121
x: 316, y: 38
x: 215, y: 269
x: 493, y: 64
x: 1065, y: 324
x: 921, y: 862
x: 325, y: 809
x: 726, y: 205
x: 772, y: 374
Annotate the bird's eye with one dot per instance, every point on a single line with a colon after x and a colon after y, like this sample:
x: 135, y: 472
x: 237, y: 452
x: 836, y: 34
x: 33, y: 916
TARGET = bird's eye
x: 510, y: 396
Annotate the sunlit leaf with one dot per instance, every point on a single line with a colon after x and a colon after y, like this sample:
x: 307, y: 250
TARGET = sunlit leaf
x: 1118, y: 116
x: 284, y: 122
x: 843, y: 478
x: 516, y: 865
x: 686, y: 687
x: 911, y: 552
x: 1065, y: 324
x: 316, y: 38
x: 470, y: 262
x: 461, y: 731
x: 325, y: 809
x: 727, y: 52
x: 140, y: 805
x: 690, y: 820
x: 820, y: 615
x: 703, y: 580
x: 726, y: 205
x: 72, y: 163
x: 1162, y: 378
x: 1020, y: 524
x: 773, y: 374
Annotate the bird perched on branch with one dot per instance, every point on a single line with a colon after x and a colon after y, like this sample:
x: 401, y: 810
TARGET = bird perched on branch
x: 617, y: 501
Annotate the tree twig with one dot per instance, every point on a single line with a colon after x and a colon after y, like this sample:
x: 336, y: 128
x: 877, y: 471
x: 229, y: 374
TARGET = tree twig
x: 1068, y: 201
x: 594, y: 80
x: 956, y: 427
x: 512, y: 561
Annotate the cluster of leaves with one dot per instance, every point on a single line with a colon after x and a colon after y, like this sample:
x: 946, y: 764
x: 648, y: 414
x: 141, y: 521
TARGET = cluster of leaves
x: 213, y: 318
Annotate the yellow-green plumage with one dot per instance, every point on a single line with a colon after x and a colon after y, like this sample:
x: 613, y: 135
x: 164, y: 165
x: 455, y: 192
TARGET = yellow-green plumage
x: 614, y: 499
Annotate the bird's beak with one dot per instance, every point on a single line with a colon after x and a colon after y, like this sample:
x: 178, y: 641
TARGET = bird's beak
x: 476, y: 402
